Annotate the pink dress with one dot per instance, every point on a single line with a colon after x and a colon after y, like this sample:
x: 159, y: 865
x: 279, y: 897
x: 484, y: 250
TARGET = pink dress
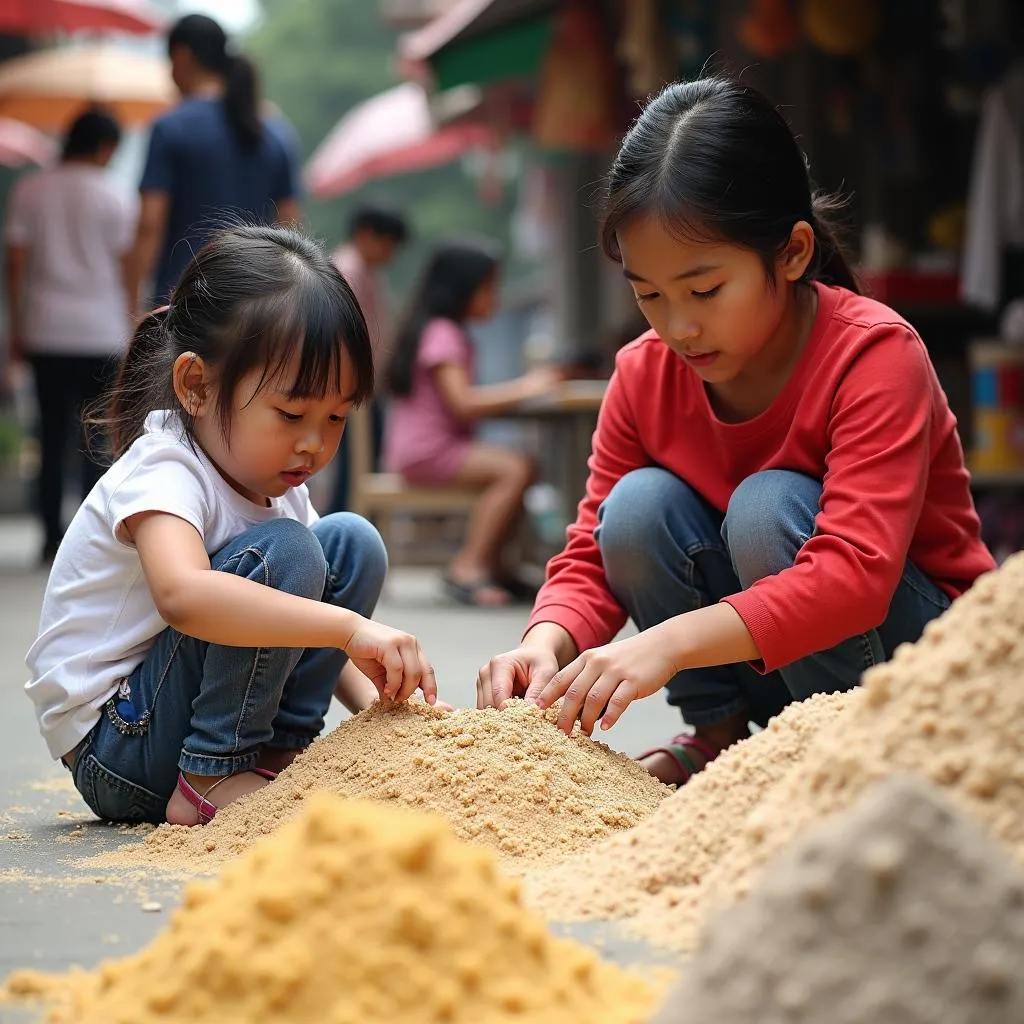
x: 423, y: 439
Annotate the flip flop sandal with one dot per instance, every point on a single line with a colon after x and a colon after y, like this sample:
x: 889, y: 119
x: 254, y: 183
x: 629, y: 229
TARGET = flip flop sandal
x: 205, y: 809
x: 679, y: 748
x: 468, y: 593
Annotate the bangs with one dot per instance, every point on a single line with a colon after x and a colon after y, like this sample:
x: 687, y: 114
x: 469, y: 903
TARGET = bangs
x: 679, y: 218
x: 305, y: 332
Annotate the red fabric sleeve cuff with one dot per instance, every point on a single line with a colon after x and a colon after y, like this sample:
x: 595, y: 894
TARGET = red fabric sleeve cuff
x: 582, y: 631
x: 759, y: 621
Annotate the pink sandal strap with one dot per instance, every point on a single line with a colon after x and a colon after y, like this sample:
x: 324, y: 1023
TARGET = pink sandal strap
x: 687, y: 739
x: 677, y: 748
x: 206, y: 809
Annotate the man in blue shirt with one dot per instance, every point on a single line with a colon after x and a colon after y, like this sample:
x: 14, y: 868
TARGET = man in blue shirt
x: 211, y: 160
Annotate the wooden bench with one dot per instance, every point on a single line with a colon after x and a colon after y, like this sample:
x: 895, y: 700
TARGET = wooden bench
x: 379, y: 496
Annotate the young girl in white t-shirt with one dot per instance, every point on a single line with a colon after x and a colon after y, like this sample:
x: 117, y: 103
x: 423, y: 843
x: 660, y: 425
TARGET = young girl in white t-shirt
x: 169, y: 689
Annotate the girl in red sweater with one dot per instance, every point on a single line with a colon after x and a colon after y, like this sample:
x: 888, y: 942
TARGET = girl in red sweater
x: 777, y: 492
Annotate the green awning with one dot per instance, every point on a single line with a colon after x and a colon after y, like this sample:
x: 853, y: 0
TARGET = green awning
x: 514, y: 50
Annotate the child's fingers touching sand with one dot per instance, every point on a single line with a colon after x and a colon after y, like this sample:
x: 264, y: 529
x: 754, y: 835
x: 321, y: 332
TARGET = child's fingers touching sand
x: 393, y: 661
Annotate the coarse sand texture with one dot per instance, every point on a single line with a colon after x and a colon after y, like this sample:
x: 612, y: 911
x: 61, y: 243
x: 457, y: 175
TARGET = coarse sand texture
x: 660, y: 864
x: 354, y: 913
x: 506, y: 779
x: 900, y: 910
x: 948, y: 708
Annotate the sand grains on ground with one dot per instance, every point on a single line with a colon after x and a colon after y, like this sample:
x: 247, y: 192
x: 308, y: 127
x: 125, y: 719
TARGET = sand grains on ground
x: 354, y: 913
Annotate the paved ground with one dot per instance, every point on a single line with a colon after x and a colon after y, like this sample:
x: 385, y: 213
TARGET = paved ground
x: 51, y: 914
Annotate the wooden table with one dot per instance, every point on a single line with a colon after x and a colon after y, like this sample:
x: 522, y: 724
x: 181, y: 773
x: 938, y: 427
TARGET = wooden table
x: 572, y: 409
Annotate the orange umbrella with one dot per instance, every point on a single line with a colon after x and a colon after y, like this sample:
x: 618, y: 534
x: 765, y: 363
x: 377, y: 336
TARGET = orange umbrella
x: 43, y: 17
x: 49, y: 88
x: 22, y: 144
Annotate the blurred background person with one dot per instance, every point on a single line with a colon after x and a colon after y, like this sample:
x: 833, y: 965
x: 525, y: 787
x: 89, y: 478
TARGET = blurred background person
x: 375, y: 236
x: 214, y: 157
x: 434, y: 403
x: 68, y: 229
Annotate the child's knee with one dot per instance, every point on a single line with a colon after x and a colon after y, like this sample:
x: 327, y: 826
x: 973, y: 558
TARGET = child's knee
x: 293, y: 561
x: 354, y: 549
x: 769, y: 518
x: 634, y: 513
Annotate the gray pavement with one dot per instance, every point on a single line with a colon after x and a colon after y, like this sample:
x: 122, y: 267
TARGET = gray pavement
x: 55, y: 913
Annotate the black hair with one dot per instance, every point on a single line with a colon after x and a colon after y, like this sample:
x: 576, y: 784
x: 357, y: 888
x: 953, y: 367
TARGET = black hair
x: 381, y: 220
x: 250, y: 299
x: 713, y: 159
x: 89, y: 133
x: 208, y: 43
x: 455, y: 272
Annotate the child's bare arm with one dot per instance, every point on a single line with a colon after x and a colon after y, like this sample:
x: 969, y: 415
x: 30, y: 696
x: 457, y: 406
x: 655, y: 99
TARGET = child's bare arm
x: 230, y: 610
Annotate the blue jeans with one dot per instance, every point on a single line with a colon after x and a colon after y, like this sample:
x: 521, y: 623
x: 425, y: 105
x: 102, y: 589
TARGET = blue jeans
x: 666, y: 551
x: 208, y: 709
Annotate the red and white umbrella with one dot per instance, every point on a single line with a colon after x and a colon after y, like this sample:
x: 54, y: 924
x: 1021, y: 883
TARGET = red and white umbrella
x: 394, y: 132
x: 44, y: 17
x: 21, y: 144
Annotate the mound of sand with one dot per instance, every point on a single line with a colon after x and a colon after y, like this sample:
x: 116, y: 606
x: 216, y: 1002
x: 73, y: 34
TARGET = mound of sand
x: 899, y: 910
x: 355, y: 913
x: 507, y: 779
x: 660, y: 864
x: 947, y: 708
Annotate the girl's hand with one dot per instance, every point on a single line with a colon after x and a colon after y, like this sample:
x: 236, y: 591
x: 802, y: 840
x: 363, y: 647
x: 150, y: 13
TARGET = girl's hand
x: 602, y: 682
x: 523, y: 672
x: 392, y: 660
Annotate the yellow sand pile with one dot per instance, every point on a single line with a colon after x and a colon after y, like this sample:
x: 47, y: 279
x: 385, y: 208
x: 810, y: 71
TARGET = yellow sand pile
x: 509, y: 780
x: 897, y: 910
x: 355, y: 913
x: 948, y: 708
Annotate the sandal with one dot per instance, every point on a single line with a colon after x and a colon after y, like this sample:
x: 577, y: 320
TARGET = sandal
x: 679, y: 748
x: 205, y: 809
x: 469, y: 593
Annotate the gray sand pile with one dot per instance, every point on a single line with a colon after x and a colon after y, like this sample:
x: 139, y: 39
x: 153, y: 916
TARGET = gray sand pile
x: 505, y: 779
x: 900, y: 910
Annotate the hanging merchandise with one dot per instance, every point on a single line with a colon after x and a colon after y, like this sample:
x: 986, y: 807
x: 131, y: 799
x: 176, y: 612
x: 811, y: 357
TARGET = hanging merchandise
x: 645, y: 49
x: 576, y: 97
x: 995, y: 204
x: 768, y: 29
x: 843, y: 28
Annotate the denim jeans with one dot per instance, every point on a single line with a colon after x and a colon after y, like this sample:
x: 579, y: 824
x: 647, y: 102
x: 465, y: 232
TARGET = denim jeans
x: 666, y: 551
x: 209, y: 709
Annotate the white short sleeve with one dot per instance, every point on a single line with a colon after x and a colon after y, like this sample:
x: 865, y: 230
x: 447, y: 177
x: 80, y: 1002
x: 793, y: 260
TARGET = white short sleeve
x: 165, y: 478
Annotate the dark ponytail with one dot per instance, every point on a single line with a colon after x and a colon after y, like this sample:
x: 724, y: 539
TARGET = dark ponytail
x: 714, y: 160
x: 209, y: 44
x: 242, y: 100
x: 145, y: 369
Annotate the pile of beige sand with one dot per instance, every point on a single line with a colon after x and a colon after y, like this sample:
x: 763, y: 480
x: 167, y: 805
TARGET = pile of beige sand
x: 948, y: 708
x: 660, y: 864
x: 355, y: 913
x: 506, y: 779
x: 899, y: 910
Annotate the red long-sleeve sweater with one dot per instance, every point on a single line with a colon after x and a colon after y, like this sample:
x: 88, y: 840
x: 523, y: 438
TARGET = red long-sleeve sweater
x: 863, y: 412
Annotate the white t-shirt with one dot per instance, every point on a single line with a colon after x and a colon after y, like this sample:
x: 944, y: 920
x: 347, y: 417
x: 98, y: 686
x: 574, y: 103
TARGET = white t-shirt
x: 76, y: 224
x: 99, y: 620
